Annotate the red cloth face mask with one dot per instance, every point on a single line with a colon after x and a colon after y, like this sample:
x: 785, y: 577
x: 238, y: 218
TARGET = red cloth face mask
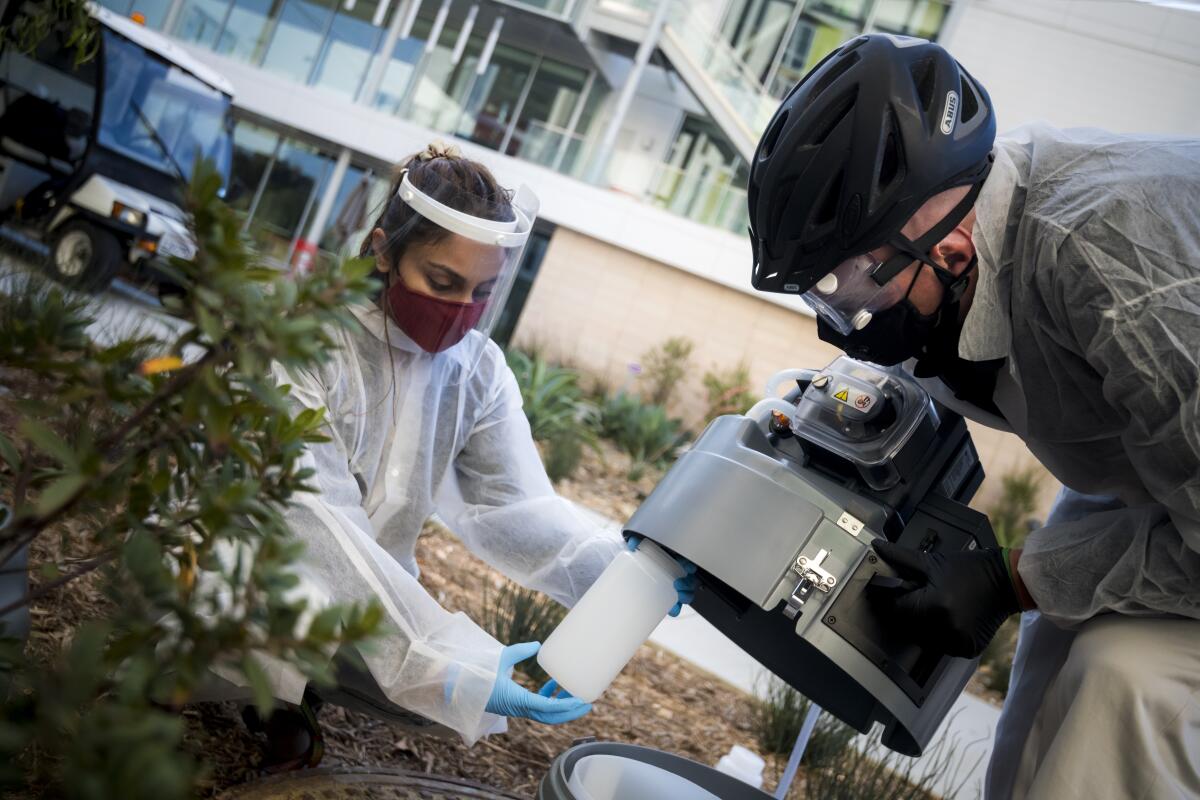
x: 433, y: 324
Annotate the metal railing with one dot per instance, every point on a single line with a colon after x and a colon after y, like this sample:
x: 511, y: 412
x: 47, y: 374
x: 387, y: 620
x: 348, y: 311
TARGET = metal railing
x: 555, y: 147
x: 698, y: 36
x: 558, y: 9
x: 705, y: 193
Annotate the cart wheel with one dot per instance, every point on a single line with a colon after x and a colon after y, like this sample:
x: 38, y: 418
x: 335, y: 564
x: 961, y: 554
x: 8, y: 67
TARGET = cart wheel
x: 84, y: 256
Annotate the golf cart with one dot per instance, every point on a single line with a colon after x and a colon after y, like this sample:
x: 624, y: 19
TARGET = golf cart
x: 94, y: 158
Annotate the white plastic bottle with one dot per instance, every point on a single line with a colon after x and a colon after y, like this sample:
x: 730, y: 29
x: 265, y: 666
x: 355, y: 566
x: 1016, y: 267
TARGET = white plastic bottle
x: 609, y: 623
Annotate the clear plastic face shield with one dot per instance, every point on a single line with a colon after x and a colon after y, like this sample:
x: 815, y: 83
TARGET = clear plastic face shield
x: 848, y: 297
x: 860, y: 287
x: 452, y: 263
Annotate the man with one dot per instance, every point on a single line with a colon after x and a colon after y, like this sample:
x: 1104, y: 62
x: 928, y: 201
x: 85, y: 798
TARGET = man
x: 1046, y: 284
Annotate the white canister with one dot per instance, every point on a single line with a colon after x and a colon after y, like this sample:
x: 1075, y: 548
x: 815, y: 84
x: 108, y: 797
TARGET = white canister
x: 743, y: 764
x: 609, y: 623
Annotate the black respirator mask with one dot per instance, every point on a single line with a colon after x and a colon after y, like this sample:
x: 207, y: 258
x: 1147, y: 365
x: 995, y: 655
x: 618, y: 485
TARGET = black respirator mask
x: 896, y: 334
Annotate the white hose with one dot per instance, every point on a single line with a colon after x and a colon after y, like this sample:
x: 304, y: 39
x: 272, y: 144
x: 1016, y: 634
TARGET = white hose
x: 789, y: 772
x: 785, y: 376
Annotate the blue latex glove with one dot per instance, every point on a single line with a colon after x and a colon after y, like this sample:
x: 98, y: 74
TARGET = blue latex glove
x: 510, y: 699
x: 685, y: 586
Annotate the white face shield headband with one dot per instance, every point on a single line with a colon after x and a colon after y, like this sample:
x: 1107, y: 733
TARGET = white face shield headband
x: 456, y: 286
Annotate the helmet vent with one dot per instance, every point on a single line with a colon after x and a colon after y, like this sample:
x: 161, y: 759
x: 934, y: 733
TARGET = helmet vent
x: 783, y: 194
x: 769, y: 141
x: 923, y: 73
x: 889, y: 179
x: 835, y: 70
x: 889, y: 163
x: 827, y: 212
x: 821, y: 127
x: 970, y: 101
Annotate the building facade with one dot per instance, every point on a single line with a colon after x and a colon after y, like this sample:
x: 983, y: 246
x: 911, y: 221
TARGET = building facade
x: 633, y: 120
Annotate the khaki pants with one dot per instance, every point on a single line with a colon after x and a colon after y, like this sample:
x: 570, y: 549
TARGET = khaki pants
x: 1120, y: 718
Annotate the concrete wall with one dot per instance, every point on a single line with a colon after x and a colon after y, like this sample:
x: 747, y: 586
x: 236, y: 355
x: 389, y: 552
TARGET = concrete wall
x: 1123, y: 65
x: 598, y: 308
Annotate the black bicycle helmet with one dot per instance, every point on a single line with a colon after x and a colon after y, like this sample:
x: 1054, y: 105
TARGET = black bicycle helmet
x: 878, y: 127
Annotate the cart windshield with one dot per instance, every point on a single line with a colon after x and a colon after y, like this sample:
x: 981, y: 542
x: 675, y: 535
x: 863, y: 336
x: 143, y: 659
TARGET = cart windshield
x: 159, y: 114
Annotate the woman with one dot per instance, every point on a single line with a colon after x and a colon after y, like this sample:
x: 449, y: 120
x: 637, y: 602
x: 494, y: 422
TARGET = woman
x: 425, y: 416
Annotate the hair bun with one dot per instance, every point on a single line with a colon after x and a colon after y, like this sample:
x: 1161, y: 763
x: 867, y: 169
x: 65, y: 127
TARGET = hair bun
x: 439, y: 149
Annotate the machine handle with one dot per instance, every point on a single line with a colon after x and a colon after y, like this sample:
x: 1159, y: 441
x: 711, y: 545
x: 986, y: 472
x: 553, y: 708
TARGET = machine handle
x: 891, y: 583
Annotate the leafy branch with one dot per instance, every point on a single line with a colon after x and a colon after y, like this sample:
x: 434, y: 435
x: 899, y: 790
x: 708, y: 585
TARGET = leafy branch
x: 165, y: 457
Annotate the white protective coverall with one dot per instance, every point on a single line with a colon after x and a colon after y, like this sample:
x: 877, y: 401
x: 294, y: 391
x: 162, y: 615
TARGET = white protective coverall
x: 408, y: 439
x: 1089, y: 286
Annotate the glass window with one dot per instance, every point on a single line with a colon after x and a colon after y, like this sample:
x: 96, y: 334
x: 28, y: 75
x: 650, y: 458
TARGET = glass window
x: 297, y: 39
x: 811, y: 40
x: 704, y: 179
x: 852, y: 10
x: 576, y: 152
x: 755, y: 30
x: 343, y: 63
x: 546, y: 114
x: 350, y: 215
x: 245, y: 34
x: 47, y: 105
x: 922, y: 18
x: 354, y: 212
x: 200, y: 21
x: 294, y: 183
x: 440, y: 98
x: 158, y: 114
x: 400, y: 68
x: 253, y: 147
x: 557, y: 8
x: 496, y: 96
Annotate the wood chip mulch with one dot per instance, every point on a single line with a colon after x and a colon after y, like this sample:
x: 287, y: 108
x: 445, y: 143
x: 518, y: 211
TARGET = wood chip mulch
x: 658, y: 701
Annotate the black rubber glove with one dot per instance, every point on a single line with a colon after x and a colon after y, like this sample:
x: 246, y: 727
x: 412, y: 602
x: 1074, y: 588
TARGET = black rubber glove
x: 950, y: 602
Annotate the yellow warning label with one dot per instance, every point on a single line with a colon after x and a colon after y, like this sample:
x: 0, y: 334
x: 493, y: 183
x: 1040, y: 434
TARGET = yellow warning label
x: 843, y: 395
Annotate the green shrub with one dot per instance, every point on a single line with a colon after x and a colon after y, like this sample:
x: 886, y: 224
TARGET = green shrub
x: 557, y: 412
x: 777, y: 720
x: 875, y: 772
x: 164, y: 481
x: 645, y: 432
x: 550, y: 395
x: 514, y: 614
x: 664, y: 366
x: 1011, y: 514
x: 996, y: 661
x: 562, y: 456
x: 728, y: 392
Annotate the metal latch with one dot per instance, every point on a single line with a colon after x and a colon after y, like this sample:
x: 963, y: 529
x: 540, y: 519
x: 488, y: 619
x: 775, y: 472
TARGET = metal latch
x: 812, y: 576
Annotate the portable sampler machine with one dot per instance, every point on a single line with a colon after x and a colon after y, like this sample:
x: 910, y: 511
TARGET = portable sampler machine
x: 778, y: 509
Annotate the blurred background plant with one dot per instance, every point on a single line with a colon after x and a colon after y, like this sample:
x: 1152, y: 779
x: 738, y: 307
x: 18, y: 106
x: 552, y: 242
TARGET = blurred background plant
x: 1012, y: 514
x: 558, y: 414
x: 778, y: 716
x: 728, y: 391
x: 158, y: 459
x: 1012, y: 519
x: 37, y: 20
x: 515, y: 614
x: 873, y: 772
x: 664, y: 367
x: 645, y: 431
x: 995, y: 664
